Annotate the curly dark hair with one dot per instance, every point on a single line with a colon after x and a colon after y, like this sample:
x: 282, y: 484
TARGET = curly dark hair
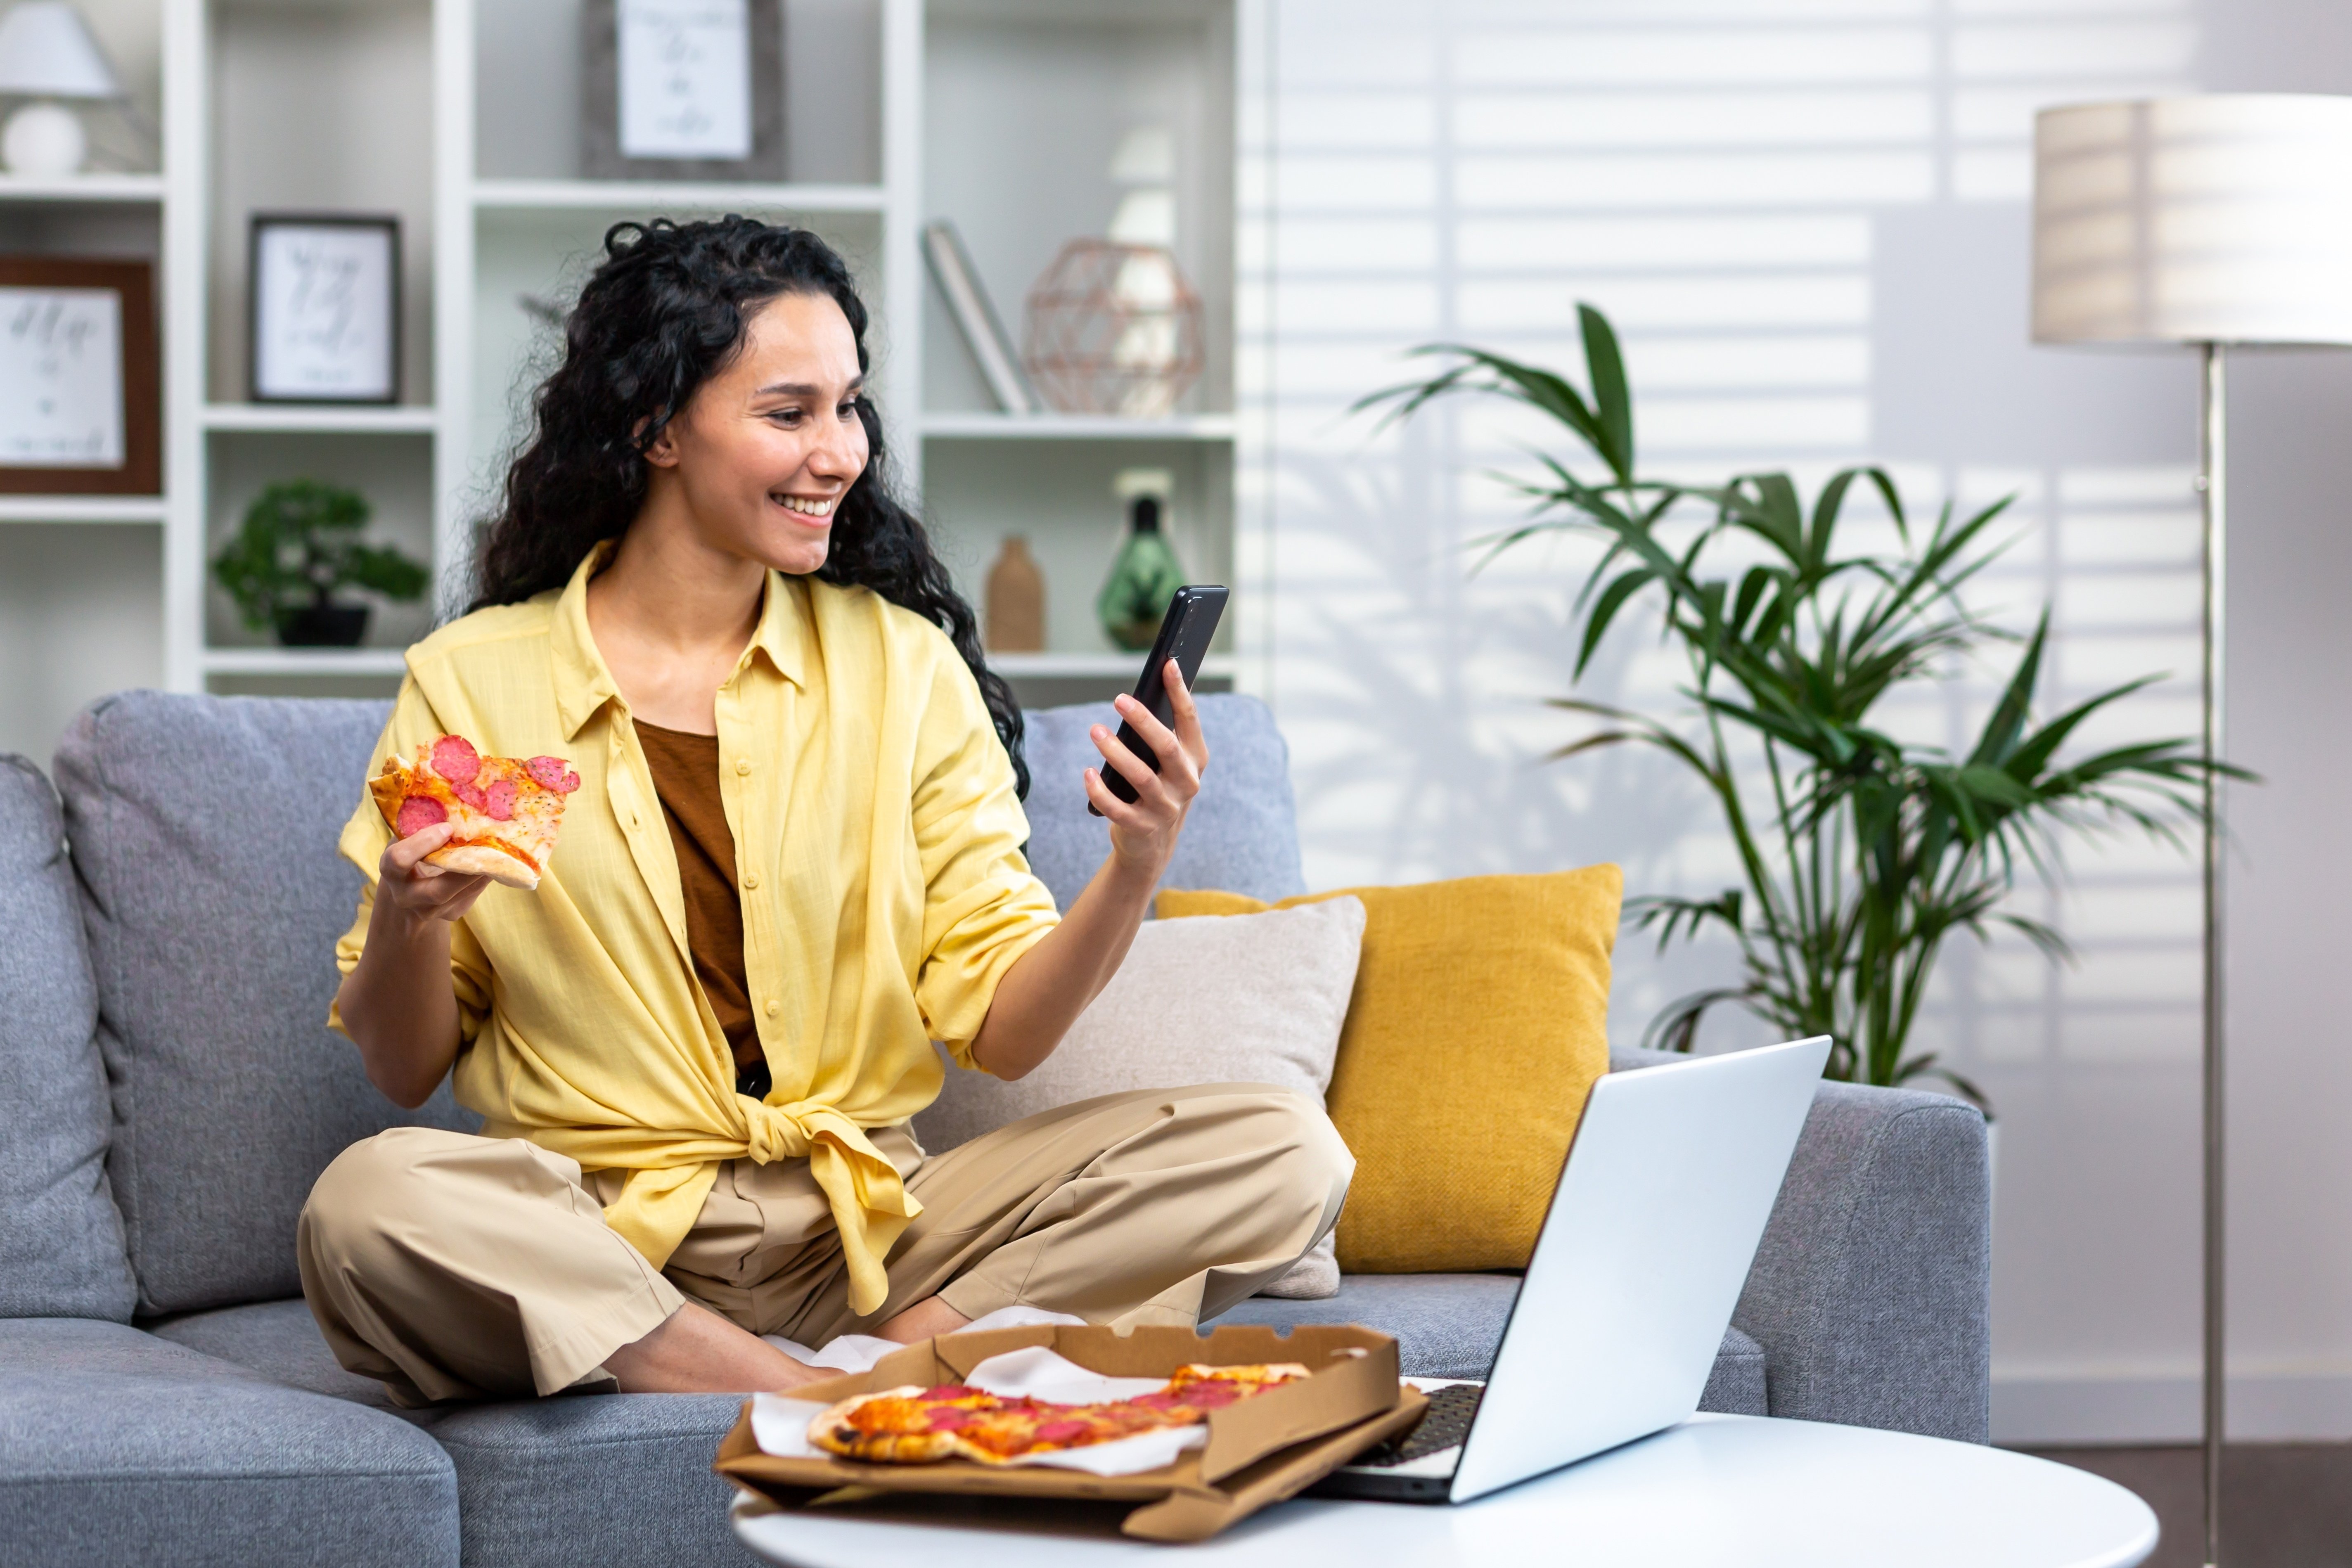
x: 666, y: 309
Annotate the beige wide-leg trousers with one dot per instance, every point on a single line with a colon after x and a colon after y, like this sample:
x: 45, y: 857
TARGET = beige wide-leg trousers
x: 453, y: 1267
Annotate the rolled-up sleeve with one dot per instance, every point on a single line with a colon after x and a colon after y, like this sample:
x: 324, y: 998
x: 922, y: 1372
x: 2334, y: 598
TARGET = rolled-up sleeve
x: 982, y: 907
x: 363, y: 843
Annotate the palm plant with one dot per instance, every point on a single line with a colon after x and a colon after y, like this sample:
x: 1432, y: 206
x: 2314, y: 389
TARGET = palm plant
x: 1860, y: 853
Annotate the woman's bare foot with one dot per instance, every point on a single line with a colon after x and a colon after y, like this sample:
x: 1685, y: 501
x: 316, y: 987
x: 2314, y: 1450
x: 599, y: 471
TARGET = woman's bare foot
x: 696, y: 1351
x: 927, y: 1318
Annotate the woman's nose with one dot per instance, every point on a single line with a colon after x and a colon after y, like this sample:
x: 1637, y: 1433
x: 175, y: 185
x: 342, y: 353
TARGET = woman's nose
x: 841, y: 454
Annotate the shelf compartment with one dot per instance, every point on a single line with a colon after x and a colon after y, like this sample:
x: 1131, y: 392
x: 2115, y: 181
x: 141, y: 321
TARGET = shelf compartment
x: 340, y: 661
x: 638, y: 196
x: 1091, y: 665
x: 81, y: 509
x: 82, y: 188
x: 1075, y: 428
x: 297, y: 419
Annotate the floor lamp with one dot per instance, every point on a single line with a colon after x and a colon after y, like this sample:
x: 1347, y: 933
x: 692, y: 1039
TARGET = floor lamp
x: 2211, y: 221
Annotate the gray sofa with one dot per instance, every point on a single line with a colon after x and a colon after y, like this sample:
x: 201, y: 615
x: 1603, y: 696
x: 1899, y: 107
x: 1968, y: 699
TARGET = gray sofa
x: 168, y: 1092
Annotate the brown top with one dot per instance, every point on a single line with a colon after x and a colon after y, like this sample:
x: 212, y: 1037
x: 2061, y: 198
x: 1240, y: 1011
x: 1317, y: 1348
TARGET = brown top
x: 686, y: 778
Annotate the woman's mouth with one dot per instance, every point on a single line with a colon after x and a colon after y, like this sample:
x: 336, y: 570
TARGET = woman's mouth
x: 818, y: 507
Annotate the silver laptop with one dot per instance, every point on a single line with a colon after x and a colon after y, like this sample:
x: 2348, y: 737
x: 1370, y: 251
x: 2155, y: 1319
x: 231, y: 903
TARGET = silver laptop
x: 1652, y: 1225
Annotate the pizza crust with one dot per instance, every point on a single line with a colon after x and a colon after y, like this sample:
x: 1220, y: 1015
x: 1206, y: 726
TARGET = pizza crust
x: 833, y: 1432
x: 484, y: 861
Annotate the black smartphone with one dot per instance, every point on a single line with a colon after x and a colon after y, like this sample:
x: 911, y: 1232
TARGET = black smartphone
x: 1184, y: 633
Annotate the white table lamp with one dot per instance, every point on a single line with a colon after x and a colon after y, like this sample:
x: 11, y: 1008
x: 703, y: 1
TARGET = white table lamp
x: 46, y: 54
x: 2208, y: 221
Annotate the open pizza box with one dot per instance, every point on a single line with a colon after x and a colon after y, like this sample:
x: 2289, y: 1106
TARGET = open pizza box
x: 1260, y: 1450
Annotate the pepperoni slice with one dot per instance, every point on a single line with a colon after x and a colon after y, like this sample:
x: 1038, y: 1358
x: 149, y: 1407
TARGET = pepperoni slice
x: 455, y: 759
x: 419, y: 812
x: 501, y: 802
x: 472, y: 795
x: 553, y: 773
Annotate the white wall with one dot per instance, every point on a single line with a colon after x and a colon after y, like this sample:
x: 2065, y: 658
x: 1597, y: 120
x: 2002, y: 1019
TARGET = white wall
x: 1807, y: 219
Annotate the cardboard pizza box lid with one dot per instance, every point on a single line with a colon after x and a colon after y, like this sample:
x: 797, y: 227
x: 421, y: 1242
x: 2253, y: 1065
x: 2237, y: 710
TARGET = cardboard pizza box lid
x: 1260, y: 1450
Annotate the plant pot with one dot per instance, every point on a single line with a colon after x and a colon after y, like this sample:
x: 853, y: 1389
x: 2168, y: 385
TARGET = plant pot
x: 327, y: 624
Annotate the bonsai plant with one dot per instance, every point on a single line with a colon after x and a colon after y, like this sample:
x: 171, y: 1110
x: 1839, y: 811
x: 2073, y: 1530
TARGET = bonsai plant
x: 298, y: 543
x: 1860, y: 853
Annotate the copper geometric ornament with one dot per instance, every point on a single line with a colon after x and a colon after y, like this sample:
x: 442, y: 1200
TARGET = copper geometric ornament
x: 1113, y: 329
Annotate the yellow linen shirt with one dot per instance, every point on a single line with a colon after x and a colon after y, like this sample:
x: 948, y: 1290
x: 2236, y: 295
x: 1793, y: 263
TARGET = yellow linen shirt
x: 877, y: 848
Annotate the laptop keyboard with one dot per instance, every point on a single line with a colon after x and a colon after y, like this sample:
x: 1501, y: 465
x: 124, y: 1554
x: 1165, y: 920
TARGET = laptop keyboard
x: 1446, y: 1423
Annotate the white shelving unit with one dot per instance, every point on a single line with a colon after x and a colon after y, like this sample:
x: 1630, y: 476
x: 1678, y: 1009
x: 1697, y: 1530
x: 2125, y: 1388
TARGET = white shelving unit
x: 305, y: 661
x: 1117, y: 668
x: 81, y: 509
x: 605, y: 195
x: 293, y: 419
x: 81, y: 594
x: 96, y: 186
x: 1075, y: 428
x: 460, y: 117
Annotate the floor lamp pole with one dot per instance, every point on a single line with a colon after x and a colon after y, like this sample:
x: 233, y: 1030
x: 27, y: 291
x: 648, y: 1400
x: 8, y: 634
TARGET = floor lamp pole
x: 2212, y: 474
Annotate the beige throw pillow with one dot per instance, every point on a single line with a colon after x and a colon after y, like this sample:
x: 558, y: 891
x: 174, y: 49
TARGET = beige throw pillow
x: 1252, y: 999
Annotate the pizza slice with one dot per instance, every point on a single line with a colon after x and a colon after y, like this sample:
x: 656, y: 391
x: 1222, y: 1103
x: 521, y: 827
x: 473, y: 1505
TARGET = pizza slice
x: 506, y: 809
x: 915, y: 1425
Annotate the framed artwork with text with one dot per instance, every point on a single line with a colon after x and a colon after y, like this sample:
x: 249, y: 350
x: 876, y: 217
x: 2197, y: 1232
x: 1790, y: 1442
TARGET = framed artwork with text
x: 322, y: 309
x: 682, y: 89
x: 79, y: 412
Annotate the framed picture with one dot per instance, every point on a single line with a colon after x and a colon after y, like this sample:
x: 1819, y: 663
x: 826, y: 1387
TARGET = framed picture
x: 682, y: 89
x: 323, y: 307
x: 79, y: 412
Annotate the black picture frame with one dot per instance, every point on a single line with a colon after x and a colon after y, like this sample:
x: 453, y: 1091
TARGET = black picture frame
x: 384, y: 311
x: 601, y: 157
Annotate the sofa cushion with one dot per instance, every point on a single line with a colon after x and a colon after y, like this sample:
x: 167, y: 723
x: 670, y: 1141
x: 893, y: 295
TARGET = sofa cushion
x: 1478, y: 1026
x: 214, y: 953
x: 1242, y: 834
x: 61, y: 1237
x: 279, y: 1340
x: 1254, y: 999
x: 614, y: 1480
x: 618, y: 1478
x: 116, y: 1446
x: 1450, y: 1325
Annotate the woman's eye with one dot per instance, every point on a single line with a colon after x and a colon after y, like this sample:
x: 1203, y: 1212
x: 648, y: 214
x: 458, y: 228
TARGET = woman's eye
x: 786, y: 417
x: 849, y: 410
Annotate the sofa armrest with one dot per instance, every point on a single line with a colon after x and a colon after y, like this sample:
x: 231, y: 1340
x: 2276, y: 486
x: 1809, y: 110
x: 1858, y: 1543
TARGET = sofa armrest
x: 1870, y: 1292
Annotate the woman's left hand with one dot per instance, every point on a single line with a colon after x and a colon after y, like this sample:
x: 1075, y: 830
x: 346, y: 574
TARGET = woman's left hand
x: 1143, y: 835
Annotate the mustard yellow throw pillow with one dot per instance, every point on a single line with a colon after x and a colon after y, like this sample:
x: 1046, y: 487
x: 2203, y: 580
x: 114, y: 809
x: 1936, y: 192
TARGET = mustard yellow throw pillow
x: 1478, y: 1025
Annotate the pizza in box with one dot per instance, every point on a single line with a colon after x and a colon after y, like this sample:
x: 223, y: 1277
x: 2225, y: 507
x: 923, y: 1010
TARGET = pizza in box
x: 915, y: 1425
x: 506, y: 809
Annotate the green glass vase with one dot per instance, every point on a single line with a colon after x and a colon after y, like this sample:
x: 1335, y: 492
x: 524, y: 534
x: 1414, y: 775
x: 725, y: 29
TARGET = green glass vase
x: 1142, y: 580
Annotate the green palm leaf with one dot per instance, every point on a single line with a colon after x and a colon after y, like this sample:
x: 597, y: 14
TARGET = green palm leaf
x: 1861, y: 852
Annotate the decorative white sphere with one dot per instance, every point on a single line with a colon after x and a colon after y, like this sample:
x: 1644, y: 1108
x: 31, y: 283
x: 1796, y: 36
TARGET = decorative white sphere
x: 44, y: 140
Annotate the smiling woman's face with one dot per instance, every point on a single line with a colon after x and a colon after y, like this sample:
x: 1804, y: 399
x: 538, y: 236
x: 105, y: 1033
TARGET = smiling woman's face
x: 769, y: 446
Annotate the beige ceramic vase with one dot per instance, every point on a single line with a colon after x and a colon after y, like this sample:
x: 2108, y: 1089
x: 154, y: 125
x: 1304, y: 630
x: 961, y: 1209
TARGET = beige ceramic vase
x: 1017, y: 600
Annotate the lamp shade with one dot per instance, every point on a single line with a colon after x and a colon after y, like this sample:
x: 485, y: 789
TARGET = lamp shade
x: 2222, y: 218
x: 46, y: 51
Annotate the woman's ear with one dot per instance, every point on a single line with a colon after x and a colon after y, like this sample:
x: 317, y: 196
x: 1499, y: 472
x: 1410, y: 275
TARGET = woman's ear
x: 661, y: 452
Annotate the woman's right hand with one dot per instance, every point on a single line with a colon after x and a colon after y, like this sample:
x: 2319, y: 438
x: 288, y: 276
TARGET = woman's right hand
x: 419, y: 889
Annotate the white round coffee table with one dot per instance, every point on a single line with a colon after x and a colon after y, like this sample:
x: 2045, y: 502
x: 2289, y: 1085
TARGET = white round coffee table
x: 1718, y: 1490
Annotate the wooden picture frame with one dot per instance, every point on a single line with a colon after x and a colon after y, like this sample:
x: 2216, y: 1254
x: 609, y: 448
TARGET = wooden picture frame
x: 52, y: 309
x: 603, y: 150
x: 322, y: 307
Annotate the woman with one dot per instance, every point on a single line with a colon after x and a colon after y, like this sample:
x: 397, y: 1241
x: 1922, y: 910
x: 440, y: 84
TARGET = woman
x: 793, y: 862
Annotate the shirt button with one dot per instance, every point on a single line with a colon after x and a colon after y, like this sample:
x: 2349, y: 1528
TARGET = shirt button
x: 751, y: 878
x: 742, y: 765
x: 775, y: 1007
